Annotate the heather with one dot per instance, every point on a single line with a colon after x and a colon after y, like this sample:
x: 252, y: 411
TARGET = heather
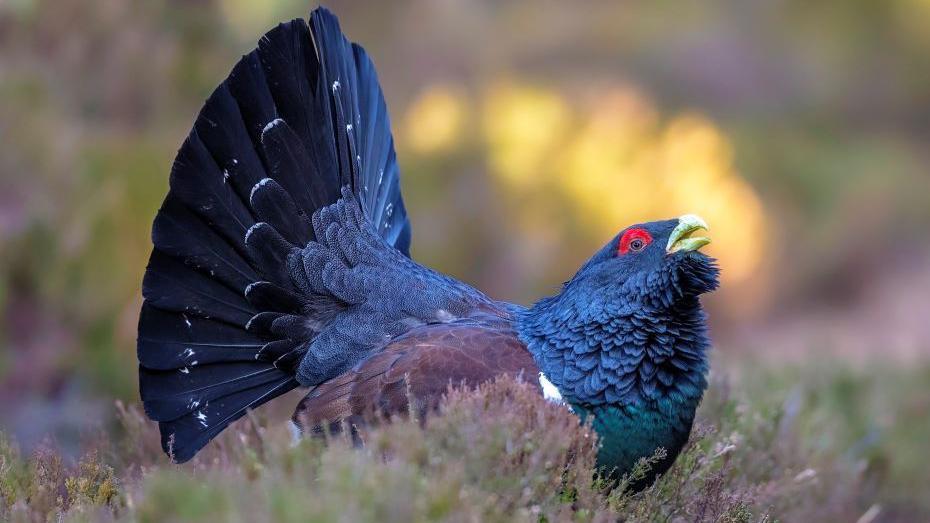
x: 798, y: 445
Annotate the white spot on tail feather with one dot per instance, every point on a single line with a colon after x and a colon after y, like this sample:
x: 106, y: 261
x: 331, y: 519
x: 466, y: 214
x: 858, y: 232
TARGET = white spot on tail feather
x: 271, y: 124
x: 251, y: 230
x: 261, y: 183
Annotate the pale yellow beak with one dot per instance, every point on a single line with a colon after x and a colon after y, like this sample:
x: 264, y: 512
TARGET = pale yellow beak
x: 681, y: 239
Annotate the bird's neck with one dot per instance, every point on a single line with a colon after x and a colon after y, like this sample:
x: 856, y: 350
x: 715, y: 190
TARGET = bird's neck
x: 602, y: 352
x: 639, y: 372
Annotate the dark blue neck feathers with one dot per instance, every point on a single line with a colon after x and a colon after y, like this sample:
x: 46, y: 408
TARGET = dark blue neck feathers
x: 634, y: 343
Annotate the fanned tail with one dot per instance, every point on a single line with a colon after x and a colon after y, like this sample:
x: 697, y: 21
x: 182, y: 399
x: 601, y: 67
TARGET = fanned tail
x: 223, y: 327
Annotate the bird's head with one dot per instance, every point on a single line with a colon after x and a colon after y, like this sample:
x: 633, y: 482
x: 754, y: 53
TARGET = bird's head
x: 650, y: 264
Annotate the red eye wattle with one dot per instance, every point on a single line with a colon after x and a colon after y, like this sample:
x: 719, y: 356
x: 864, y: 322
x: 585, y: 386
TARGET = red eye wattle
x: 634, y: 240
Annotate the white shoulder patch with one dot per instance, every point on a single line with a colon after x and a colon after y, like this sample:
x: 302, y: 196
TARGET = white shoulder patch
x: 550, y: 392
x: 296, y: 433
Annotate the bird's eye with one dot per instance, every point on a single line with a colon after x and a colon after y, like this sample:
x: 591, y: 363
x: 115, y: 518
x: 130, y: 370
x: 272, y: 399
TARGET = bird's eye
x: 634, y: 240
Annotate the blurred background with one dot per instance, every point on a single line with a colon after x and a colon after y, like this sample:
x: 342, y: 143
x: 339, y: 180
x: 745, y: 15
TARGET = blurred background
x: 528, y: 134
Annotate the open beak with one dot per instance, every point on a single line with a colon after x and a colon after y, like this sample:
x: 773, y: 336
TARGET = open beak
x: 681, y: 238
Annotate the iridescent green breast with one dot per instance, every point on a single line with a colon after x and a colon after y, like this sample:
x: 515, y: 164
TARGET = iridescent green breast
x: 630, y: 433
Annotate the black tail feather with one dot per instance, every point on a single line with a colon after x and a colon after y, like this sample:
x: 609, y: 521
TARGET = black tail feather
x: 175, y: 341
x: 225, y: 323
x: 170, y: 395
x: 183, y: 235
x: 266, y: 296
x: 362, y: 115
x: 183, y: 437
x: 273, y: 205
x: 224, y: 132
x: 201, y: 185
x: 171, y: 285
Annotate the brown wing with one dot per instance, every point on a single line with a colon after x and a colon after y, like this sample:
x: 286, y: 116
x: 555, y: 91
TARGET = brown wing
x: 421, y: 364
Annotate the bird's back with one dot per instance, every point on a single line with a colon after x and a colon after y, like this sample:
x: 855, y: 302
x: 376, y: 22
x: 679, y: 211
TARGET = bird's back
x: 376, y: 292
x: 421, y: 365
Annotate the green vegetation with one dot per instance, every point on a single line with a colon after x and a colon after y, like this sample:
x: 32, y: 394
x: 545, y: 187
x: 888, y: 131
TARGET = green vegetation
x: 794, y: 446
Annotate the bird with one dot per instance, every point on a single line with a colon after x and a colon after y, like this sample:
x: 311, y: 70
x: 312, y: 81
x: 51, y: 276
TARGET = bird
x: 281, y: 259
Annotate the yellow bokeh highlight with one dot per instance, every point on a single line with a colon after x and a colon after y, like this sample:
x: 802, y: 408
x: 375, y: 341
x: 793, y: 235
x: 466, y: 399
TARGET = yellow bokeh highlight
x: 522, y: 125
x: 435, y: 121
x: 603, y: 169
x: 615, y: 163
